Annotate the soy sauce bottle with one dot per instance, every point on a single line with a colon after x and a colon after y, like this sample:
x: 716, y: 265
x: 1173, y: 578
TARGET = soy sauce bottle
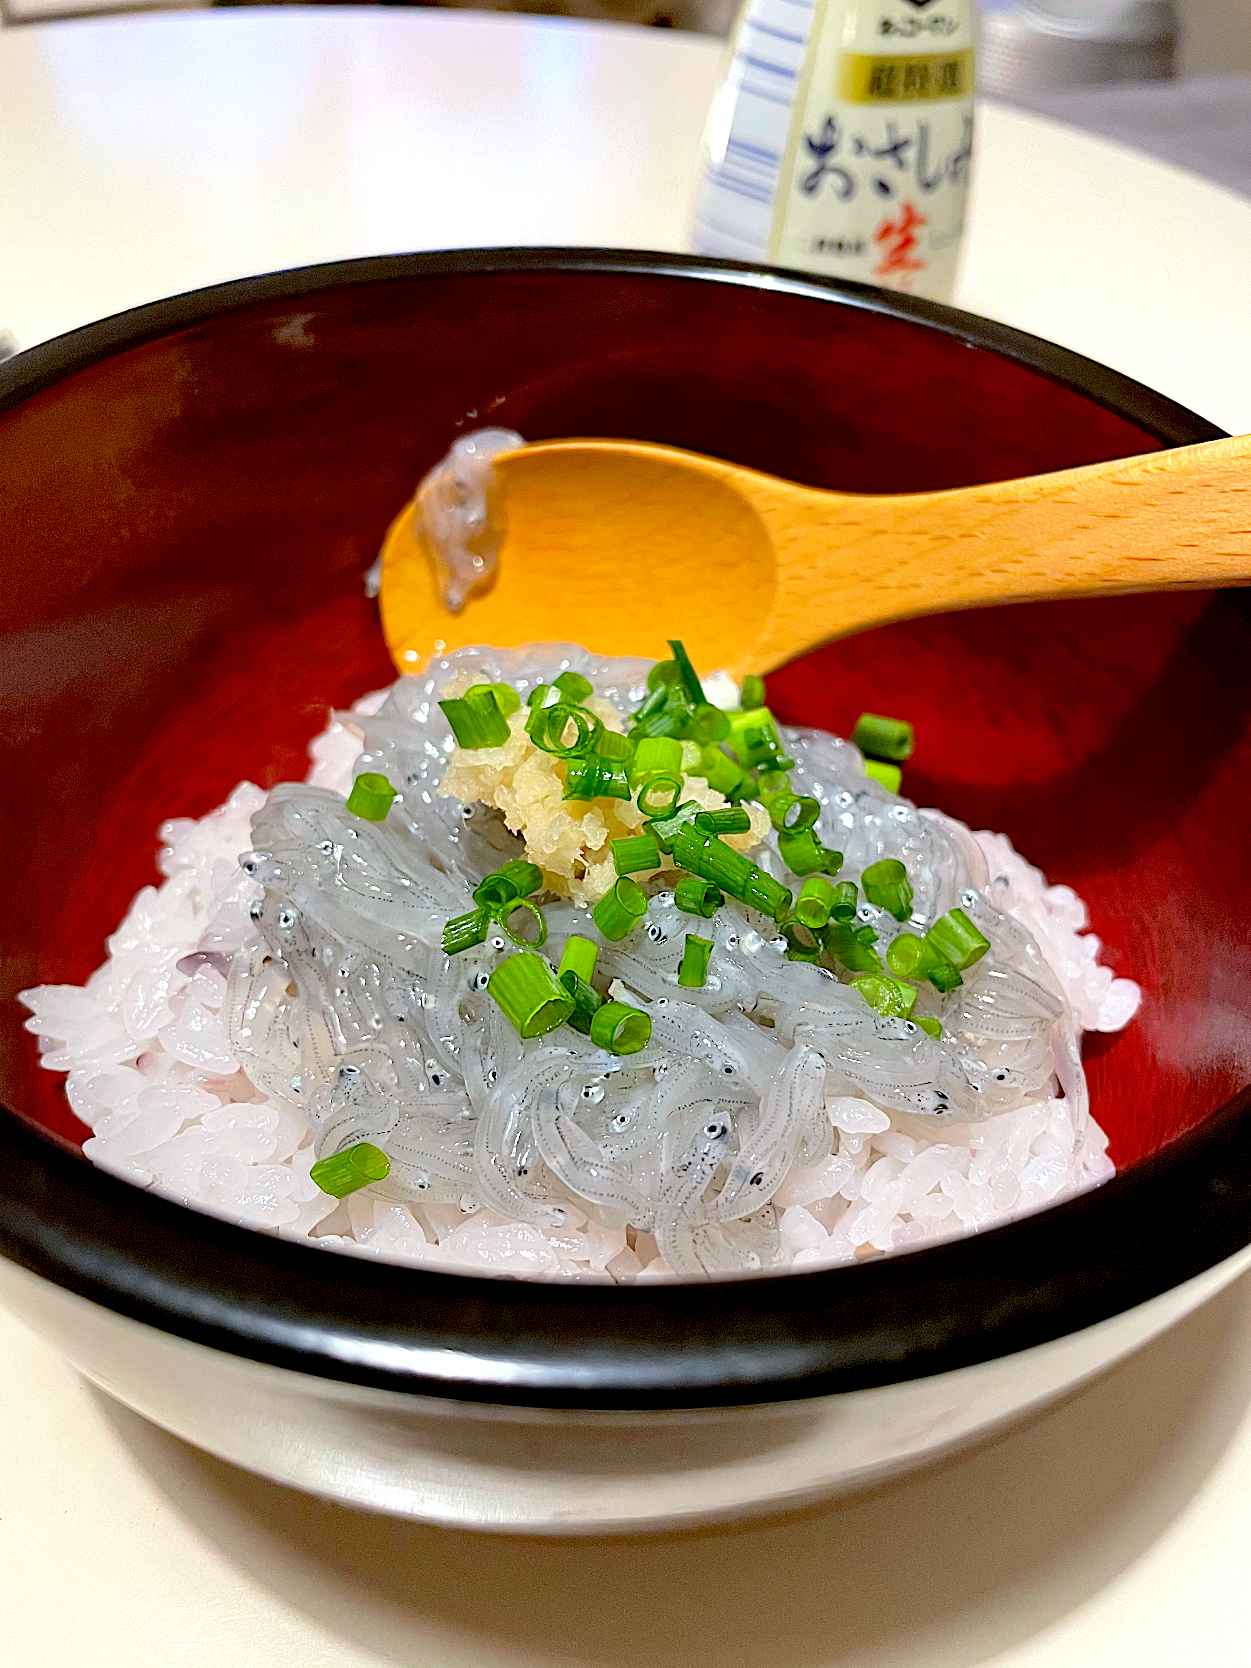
x: 840, y: 140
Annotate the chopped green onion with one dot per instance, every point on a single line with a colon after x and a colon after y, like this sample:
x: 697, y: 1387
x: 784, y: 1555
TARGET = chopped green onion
x: 476, y: 723
x: 370, y: 797
x: 663, y: 675
x: 547, y: 728
x: 538, y: 696
x: 635, y: 854
x: 777, y: 804
x: 764, y: 893
x: 586, y: 1001
x: 754, y: 737
x: 346, y: 1172
x: 655, y: 756
x: 931, y: 1027
x: 886, y: 884
x: 690, y: 682
x: 517, y: 879
x: 883, y: 738
x: 620, y: 910
x: 698, y: 897
x: 773, y: 781
x: 505, y: 915
x: 530, y: 994
x: 752, y: 693
x: 573, y: 686
x: 806, y: 810
x: 732, y: 820
x: 720, y: 772
x: 620, y: 1028
x: 464, y: 932
x: 709, y: 724
x: 666, y: 829
x: 905, y: 954
x: 864, y: 933
x: 812, y: 907
x: 693, y: 972
x: 804, y: 854
x: 609, y: 744
x: 846, y: 899
x: 579, y: 957
x: 940, y: 972
x: 843, y: 944
x: 502, y: 696
x: 888, y: 996
x: 801, y: 944
x: 669, y: 788
x: 713, y: 860
x: 889, y: 775
x: 595, y: 777
x: 953, y: 935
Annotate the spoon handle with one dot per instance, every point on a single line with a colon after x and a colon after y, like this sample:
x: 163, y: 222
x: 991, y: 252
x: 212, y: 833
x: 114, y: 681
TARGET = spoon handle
x: 1177, y: 519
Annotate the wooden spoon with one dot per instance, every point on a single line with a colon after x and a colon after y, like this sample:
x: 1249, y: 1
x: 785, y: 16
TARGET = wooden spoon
x: 620, y: 545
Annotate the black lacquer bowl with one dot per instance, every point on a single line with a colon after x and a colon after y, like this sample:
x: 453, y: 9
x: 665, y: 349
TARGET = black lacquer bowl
x: 191, y: 493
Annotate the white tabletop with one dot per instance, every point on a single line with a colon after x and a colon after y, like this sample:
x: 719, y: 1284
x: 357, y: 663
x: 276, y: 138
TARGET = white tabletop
x: 145, y: 155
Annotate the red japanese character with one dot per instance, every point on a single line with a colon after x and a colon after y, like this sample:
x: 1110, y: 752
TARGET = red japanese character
x: 899, y: 243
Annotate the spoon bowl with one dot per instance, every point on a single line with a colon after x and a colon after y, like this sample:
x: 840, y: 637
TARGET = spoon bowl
x: 757, y: 570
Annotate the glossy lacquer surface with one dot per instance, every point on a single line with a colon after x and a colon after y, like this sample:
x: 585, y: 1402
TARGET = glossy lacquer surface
x: 188, y: 521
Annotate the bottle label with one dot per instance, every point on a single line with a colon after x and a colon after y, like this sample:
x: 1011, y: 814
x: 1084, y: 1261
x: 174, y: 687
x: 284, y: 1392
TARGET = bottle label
x: 876, y: 171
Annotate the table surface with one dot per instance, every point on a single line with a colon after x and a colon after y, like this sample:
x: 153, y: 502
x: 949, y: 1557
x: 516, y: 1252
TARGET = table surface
x: 144, y: 155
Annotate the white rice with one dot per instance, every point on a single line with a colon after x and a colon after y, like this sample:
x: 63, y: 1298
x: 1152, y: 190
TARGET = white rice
x: 152, y: 1074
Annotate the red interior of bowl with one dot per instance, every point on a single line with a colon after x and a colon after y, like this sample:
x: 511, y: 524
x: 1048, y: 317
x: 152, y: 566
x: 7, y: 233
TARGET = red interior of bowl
x: 182, y: 606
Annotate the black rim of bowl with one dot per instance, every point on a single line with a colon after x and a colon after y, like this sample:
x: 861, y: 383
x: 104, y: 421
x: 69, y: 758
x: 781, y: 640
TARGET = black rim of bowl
x: 587, y: 1345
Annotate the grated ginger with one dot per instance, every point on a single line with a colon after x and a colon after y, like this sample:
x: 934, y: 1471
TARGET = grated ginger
x: 568, y: 839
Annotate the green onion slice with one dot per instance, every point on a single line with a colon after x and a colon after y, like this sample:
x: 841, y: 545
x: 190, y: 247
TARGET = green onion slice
x: 355, y: 1167
x: 517, y: 879
x: 905, y: 954
x: 931, y: 1027
x: 804, y: 854
x: 953, y: 935
x: 586, y: 1001
x: 659, y: 796
x: 666, y: 829
x: 580, y: 956
x: 476, y: 723
x: 693, y: 972
x: 690, y: 682
x: 505, y: 917
x: 887, y: 996
x: 698, y: 897
x: 530, y: 994
x: 812, y: 907
x: 889, y: 775
x: 709, y: 724
x: 843, y: 944
x: 502, y: 696
x: 636, y: 854
x: 595, y: 777
x: 573, y: 686
x: 883, y: 738
x: 801, y: 942
x: 754, y: 737
x: 752, y: 694
x: 769, y: 896
x: 655, y: 756
x: 886, y: 884
x: 609, y: 744
x: 846, y: 901
x: 731, y: 820
x: 547, y: 728
x: 720, y: 772
x: 620, y: 1028
x: 371, y: 796
x: 620, y: 910
x: 464, y: 932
